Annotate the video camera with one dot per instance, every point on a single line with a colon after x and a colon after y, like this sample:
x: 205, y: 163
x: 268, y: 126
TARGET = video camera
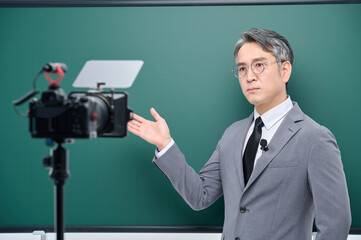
x: 91, y: 114
x: 82, y: 114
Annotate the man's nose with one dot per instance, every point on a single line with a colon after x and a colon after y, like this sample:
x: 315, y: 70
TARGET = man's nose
x: 250, y: 75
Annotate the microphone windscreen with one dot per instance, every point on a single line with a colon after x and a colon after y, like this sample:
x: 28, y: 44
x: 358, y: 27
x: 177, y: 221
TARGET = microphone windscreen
x: 263, y: 142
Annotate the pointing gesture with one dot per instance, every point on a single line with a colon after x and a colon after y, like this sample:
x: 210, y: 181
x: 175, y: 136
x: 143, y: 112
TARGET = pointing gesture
x: 156, y: 133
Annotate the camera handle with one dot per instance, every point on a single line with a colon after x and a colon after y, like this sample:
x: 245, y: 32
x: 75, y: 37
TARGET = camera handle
x: 57, y: 162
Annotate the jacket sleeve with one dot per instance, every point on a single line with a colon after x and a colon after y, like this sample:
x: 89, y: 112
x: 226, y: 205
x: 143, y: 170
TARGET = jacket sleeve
x: 199, y: 190
x: 328, y: 186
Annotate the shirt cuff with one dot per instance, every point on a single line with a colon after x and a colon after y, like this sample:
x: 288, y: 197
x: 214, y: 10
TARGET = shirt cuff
x: 159, y: 154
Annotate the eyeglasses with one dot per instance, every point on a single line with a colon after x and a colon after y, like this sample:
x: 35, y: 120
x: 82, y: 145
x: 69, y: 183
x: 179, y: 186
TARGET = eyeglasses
x: 257, y: 68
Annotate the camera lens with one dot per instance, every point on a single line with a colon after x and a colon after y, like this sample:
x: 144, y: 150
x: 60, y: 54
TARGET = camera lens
x: 100, y: 109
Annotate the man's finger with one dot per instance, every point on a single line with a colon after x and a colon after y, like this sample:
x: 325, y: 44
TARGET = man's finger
x: 134, y: 123
x: 154, y: 113
x: 138, y: 118
x: 133, y: 130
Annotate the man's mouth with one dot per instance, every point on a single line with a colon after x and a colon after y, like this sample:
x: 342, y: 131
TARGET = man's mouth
x: 253, y: 89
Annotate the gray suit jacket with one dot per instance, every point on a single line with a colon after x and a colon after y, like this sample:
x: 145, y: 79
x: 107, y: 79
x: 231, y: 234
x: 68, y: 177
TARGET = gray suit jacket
x: 298, y: 179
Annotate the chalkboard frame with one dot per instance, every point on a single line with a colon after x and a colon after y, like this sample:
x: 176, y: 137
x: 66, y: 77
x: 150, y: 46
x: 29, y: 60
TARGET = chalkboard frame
x: 149, y: 228
x: 150, y: 3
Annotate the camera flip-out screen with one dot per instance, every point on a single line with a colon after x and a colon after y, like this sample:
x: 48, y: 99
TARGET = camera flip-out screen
x: 113, y: 73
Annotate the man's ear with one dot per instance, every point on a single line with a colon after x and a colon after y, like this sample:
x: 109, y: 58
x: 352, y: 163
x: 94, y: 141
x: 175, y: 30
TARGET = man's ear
x: 286, y: 71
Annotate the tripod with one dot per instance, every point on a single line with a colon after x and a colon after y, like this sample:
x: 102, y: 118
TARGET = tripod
x: 58, y: 164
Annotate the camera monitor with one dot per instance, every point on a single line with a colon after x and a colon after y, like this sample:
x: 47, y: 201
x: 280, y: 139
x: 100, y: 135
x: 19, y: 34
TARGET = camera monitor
x: 112, y: 73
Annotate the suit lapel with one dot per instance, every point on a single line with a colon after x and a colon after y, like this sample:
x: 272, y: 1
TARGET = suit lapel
x: 239, y: 148
x: 284, y: 133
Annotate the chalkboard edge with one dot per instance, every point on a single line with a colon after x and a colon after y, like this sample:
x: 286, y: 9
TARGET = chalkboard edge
x: 151, y: 3
x: 120, y: 229
x: 127, y: 229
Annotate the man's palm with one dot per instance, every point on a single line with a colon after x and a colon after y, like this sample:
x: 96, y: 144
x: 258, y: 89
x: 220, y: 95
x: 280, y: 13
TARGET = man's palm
x: 156, y: 133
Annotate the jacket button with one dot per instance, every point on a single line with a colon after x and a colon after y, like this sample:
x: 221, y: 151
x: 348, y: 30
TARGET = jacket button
x: 243, y: 210
x: 237, y: 238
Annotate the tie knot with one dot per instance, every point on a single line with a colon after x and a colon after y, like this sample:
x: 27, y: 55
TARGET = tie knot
x: 259, y: 123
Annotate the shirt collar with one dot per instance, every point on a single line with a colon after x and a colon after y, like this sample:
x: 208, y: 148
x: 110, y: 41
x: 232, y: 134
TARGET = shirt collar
x: 272, y: 116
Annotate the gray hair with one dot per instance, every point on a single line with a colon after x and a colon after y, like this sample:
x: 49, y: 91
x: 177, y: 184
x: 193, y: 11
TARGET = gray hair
x: 270, y: 41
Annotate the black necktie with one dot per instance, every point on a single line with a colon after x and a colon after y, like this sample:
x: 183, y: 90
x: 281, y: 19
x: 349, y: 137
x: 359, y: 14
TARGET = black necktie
x: 251, y: 149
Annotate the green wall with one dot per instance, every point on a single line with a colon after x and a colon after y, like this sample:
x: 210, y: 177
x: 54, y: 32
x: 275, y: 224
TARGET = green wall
x: 188, y: 57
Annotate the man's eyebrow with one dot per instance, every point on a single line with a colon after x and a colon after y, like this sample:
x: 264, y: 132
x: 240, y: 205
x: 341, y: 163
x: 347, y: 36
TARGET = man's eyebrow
x: 253, y: 60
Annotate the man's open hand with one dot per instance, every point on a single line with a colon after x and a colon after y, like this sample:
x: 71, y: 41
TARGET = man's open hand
x: 156, y: 133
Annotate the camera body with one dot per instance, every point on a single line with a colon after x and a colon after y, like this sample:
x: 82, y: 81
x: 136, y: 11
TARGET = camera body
x: 80, y: 115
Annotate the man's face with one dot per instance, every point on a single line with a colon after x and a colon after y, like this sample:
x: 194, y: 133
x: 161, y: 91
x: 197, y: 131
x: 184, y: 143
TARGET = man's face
x: 267, y: 89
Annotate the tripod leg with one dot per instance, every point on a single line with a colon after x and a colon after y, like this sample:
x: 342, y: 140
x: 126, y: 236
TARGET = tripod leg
x: 60, y: 220
x: 59, y: 172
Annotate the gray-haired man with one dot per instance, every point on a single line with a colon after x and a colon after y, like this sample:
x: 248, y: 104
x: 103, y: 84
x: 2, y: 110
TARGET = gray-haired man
x: 275, y: 187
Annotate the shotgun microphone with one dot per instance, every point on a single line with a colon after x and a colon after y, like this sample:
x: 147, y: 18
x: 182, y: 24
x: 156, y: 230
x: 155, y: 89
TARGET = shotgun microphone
x: 51, y: 67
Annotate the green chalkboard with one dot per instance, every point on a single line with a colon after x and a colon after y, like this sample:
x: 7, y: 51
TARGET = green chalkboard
x: 188, y: 57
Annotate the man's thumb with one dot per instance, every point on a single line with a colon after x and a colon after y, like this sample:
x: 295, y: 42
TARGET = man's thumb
x: 155, y: 114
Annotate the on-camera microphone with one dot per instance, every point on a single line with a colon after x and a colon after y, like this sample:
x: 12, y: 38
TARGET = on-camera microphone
x: 51, y: 67
x: 263, y: 144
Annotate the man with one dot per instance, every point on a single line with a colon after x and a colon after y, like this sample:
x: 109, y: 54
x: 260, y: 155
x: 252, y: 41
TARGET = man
x: 275, y: 187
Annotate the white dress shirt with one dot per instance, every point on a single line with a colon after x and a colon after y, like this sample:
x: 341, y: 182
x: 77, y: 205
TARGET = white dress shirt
x: 159, y: 154
x: 272, y: 119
